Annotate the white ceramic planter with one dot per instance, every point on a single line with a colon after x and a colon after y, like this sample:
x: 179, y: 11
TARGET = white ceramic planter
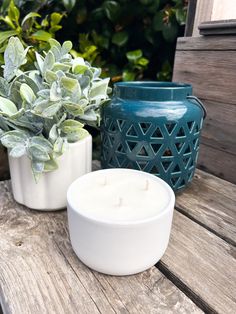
x: 117, y: 247
x: 50, y: 192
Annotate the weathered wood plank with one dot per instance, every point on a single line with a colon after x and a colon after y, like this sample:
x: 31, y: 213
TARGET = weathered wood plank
x: 219, y: 127
x: 219, y: 163
x: 212, y: 73
x: 39, y: 273
x: 211, y: 202
x: 203, y: 13
x: 207, y: 43
x: 203, y: 264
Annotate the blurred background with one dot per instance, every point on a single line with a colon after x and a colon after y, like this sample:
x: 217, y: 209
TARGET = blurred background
x: 129, y: 40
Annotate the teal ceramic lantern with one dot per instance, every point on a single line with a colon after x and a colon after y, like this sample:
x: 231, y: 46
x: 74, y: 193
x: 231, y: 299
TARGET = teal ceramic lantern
x: 154, y: 127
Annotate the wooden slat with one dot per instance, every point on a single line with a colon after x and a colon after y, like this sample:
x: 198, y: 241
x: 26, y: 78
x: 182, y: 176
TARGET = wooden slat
x: 219, y: 129
x: 203, y: 264
x: 207, y: 43
x: 39, y: 273
x: 203, y: 13
x: 212, y: 73
x: 211, y: 202
x: 219, y: 163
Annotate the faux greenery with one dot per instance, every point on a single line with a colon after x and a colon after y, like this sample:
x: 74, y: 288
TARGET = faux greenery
x: 127, y: 39
x: 45, y: 108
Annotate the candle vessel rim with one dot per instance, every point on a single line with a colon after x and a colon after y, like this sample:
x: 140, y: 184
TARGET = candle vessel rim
x: 124, y: 223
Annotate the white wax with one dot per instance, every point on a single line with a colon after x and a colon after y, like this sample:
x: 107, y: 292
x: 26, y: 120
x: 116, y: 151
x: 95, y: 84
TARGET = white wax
x: 120, y: 196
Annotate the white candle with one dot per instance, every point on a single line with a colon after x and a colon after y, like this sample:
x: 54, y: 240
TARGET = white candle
x: 120, y: 195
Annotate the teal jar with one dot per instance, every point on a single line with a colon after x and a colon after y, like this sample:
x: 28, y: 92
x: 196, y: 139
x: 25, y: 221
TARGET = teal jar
x: 154, y: 127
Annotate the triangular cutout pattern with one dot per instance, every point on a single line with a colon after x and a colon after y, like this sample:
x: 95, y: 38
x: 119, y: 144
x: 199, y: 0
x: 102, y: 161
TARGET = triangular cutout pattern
x: 156, y: 147
x: 120, y: 123
x: 168, y: 152
x: 186, y: 161
x: 170, y: 127
x: 142, y: 164
x: 187, y: 150
x: 132, y: 132
x: 196, y: 129
x: 157, y: 133
x: 120, y: 148
x: 144, y: 126
x: 131, y: 145
x: 179, y: 146
x: 174, y: 181
x: 121, y: 160
x: 154, y: 170
x: 190, y: 125
x: 182, y: 184
x: 113, y: 127
x: 181, y: 132
x: 142, y: 152
x: 166, y: 165
x: 176, y: 169
x: 195, y: 143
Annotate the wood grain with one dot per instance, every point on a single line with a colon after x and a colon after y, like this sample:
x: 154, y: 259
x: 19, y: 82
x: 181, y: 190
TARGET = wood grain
x: 211, y: 202
x: 39, y: 273
x: 212, y: 73
x: 207, y: 43
x: 214, y: 161
x: 219, y: 127
x: 203, y: 264
x: 203, y: 13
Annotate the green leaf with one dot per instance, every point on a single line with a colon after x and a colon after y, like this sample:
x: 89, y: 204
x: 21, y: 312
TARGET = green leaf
x: 70, y: 126
x: 4, y: 87
x: 30, y: 15
x: 89, y: 116
x: 37, y: 169
x: 112, y: 10
x: 134, y: 55
x: 69, y: 4
x: 37, y: 153
x: 143, y: 62
x: 170, y: 31
x: 71, y: 85
x: 74, y: 109
x: 18, y: 151
x: 120, y: 39
x: 158, y: 21
x: 99, y: 89
x: 27, y: 93
x: 7, y: 107
x: 55, y: 92
x: 66, y: 47
x: 14, y: 57
x: 41, y: 35
x: 56, y: 18
x: 181, y: 15
x: 50, y: 76
x: 76, y: 136
x: 60, y: 145
x: 5, y: 35
x: 48, y: 61
x: 61, y: 67
x: 128, y: 76
x: 79, y: 66
x: 13, y: 138
x: 13, y: 12
x: 43, y: 142
x: 50, y: 165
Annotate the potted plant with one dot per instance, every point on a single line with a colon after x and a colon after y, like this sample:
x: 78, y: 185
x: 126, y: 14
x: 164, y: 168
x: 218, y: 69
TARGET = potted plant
x: 42, y: 114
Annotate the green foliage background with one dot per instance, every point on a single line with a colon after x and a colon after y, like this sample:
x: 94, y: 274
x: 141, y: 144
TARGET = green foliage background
x: 128, y: 39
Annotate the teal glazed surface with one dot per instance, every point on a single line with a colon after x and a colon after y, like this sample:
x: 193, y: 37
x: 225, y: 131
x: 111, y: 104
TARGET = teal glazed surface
x: 154, y: 127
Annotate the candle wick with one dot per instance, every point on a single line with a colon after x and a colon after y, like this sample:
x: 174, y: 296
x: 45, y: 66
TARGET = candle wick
x: 120, y: 201
x: 146, y: 185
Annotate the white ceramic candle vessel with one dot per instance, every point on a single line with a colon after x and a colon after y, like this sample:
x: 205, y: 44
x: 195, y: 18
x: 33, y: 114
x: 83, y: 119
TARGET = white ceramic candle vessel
x: 119, y: 220
x: 50, y: 192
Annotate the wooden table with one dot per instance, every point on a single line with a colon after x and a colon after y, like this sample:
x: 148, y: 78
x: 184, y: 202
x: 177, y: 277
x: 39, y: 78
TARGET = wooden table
x: 39, y: 272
